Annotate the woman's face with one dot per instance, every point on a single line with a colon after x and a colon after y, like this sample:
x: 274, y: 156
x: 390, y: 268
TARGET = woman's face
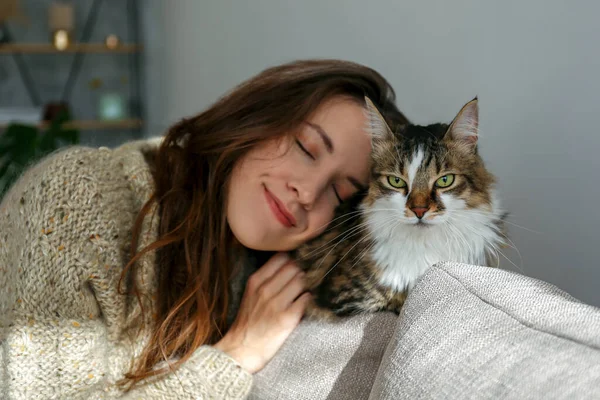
x: 284, y: 192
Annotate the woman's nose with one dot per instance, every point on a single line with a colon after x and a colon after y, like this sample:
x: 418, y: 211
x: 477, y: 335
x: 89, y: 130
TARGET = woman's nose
x: 306, y: 193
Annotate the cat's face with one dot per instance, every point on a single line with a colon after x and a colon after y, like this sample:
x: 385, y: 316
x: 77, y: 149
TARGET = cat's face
x: 425, y: 175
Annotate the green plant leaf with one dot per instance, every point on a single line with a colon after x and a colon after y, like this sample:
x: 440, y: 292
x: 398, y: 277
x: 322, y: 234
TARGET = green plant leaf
x: 69, y: 136
x: 25, y: 142
x: 5, y: 145
x: 58, y: 135
x: 47, y: 143
x: 4, y: 168
x: 6, y: 178
x: 22, y: 145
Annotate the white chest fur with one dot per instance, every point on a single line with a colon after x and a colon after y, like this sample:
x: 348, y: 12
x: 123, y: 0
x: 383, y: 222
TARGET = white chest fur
x: 404, y: 251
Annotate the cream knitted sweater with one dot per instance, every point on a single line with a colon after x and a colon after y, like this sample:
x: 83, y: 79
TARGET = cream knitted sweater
x: 65, y: 332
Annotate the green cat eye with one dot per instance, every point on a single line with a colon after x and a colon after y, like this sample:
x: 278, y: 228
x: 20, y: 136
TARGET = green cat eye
x: 445, y: 181
x: 396, y: 182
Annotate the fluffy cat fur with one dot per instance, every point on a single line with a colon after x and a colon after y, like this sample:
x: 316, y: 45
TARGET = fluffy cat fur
x: 410, y: 218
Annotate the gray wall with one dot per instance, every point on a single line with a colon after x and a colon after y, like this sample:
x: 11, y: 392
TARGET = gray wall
x: 533, y: 63
x: 152, y: 14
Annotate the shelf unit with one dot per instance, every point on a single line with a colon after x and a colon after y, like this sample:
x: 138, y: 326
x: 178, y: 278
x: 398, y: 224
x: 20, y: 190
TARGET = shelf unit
x: 95, y: 125
x: 48, y: 48
x: 78, y: 50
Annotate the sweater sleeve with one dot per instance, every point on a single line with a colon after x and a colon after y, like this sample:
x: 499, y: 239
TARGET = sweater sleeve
x: 61, y: 319
x: 208, y: 374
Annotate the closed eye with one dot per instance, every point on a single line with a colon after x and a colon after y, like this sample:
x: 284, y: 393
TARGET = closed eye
x: 337, y: 194
x: 309, y: 154
x: 304, y: 149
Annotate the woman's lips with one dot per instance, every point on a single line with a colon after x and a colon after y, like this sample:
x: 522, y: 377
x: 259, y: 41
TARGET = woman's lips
x: 279, y: 210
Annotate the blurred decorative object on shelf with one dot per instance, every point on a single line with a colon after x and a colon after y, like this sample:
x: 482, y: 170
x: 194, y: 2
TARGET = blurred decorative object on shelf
x: 112, y: 41
x: 95, y: 83
x: 48, y: 48
x: 61, y: 22
x: 9, y: 9
x: 112, y: 107
x: 61, y: 39
x: 22, y: 145
x: 54, y: 110
x: 61, y: 16
x: 23, y: 115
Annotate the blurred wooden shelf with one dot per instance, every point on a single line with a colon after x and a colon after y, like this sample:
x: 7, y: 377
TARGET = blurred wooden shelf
x: 96, y: 125
x: 48, y: 48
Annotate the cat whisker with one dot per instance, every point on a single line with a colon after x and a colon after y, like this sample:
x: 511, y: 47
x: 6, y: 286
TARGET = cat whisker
x: 350, y: 215
x: 375, y: 210
x: 498, y: 252
x: 514, y: 246
x: 362, y: 254
x: 475, y: 213
x: 447, y: 240
x: 460, y: 235
x: 521, y: 269
x: 509, y: 242
x: 353, y: 231
x: 470, y: 211
x: 348, y: 233
x: 486, y: 241
x: 493, y: 252
x: 347, y: 252
x: 458, y: 215
x: 489, y: 224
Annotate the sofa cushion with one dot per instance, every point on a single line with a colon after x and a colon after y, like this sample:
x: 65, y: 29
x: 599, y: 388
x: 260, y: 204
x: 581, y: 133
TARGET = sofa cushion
x: 469, y: 332
x: 327, y: 360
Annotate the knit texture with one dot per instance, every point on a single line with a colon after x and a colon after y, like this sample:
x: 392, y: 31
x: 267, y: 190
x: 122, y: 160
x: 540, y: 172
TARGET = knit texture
x: 65, y: 331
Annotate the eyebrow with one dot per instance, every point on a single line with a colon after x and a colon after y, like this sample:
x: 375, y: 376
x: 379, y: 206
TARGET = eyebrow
x: 324, y: 136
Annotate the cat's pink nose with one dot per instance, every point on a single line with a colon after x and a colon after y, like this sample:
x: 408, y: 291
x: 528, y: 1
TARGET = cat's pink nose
x: 420, y: 211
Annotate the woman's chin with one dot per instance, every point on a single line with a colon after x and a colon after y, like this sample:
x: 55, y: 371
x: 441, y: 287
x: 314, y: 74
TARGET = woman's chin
x: 265, y: 242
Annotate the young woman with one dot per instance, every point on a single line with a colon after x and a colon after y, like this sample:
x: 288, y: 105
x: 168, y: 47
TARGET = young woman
x: 121, y: 271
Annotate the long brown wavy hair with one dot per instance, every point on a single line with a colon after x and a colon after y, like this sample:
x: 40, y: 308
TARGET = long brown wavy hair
x: 191, y: 172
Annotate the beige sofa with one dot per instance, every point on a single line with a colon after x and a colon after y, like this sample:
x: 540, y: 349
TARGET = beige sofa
x: 466, y: 332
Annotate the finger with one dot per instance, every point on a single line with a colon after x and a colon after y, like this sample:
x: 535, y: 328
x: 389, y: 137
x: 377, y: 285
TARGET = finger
x: 279, y: 280
x: 268, y: 269
x: 291, y: 290
x: 298, y: 307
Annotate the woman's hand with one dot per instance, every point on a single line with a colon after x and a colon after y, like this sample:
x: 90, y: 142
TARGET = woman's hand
x: 271, y: 308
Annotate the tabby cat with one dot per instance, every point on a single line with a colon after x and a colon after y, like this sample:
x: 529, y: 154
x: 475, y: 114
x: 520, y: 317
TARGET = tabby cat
x: 430, y: 199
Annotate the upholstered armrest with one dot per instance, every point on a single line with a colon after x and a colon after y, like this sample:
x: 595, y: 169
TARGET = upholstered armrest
x: 469, y: 332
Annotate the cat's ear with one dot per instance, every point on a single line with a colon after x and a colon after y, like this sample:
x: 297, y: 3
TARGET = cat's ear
x: 381, y: 134
x: 465, y: 126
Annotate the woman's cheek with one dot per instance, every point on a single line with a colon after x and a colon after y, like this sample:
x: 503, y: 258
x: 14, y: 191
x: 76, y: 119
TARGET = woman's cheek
x: 322, y: 221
